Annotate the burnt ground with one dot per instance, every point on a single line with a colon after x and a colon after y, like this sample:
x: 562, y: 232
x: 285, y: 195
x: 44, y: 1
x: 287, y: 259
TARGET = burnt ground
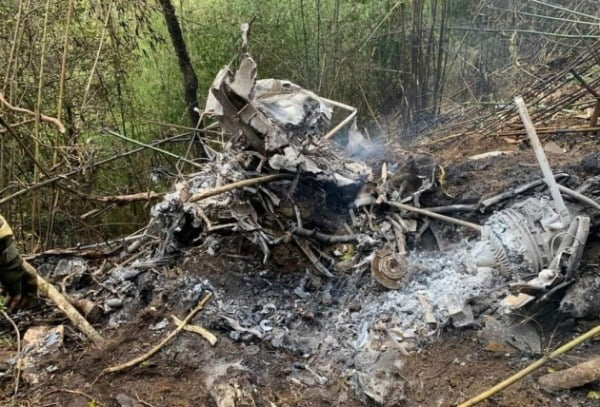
x: 443, y: 371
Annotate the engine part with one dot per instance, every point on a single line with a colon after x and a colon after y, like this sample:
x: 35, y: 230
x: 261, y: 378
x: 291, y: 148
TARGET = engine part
x: 389, y: 268
x: 516, y: 241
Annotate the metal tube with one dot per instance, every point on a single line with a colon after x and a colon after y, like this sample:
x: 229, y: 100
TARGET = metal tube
x: 565, y: 216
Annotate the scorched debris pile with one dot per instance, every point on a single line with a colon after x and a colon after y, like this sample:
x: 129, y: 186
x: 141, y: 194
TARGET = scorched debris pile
x: 337, y: 260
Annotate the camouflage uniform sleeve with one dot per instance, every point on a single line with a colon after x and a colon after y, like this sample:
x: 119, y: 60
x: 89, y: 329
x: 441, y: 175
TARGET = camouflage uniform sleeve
x: 11, y: 270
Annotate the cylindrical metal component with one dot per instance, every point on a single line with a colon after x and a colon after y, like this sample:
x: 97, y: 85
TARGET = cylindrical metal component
x: 563, y: 212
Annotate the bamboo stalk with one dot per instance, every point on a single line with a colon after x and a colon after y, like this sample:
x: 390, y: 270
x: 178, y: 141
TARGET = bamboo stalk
x: 63, y: 70
x: 98, y: 53
x: 13, y: 46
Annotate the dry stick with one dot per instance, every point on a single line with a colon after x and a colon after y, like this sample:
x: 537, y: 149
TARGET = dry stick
x: 312, y: 257
x: 235, y: 185
x: 584, y: 83
x: 493, y: 200
x: 434, y: 215
x: 344, y: 122
x: 162, y: 343
x: 575, y: 376
x: 18, y: 362
x: 43, y: 117
x: 532, y: 367
x: 17, y: 124
x: 203, y: 332
x: 23, y: 146
x: 143, y: 402
x: 65, y: 306
x: 139, y: 196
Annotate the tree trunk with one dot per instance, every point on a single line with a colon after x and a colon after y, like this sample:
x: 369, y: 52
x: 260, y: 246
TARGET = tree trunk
x: 190, y: 80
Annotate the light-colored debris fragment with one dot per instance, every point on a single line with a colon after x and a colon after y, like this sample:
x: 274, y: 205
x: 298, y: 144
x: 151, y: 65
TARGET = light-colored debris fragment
x: 39, y: 343
x: 205, y: 333
x: 460, y: 312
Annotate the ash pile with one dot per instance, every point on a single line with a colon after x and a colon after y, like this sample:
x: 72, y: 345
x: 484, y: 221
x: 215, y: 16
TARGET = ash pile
x: 339, y: 259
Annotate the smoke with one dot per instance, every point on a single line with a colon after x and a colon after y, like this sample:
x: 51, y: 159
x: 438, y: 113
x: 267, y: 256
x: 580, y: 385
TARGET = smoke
x: 359, y: 147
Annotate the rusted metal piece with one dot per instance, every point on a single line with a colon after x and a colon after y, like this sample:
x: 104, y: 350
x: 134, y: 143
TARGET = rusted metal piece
x: 389, y: 269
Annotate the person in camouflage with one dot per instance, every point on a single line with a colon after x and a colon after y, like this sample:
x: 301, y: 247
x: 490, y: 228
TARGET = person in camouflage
x: 19, y: 285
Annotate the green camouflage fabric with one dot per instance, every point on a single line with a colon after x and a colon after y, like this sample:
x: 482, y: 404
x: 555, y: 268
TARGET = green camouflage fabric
x: 12, y: 274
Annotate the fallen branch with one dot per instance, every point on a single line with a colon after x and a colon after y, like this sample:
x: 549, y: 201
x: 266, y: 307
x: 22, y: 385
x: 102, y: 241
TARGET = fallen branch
x: 205, y: 333
x: 43, y: 117
x: 65, y: 306
x: 532, y: 367
x: 162, y: 343
x: 235, y: 185
x: 575, y: 376
x: 140, y: 196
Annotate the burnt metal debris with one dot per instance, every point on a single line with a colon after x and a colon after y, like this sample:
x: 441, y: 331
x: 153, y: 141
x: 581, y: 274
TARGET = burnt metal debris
x: 382, y: 274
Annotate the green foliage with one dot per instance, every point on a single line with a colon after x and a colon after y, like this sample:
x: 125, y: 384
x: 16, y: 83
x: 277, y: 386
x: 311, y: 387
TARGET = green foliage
x: 349, y: 50
x: 406, y: 57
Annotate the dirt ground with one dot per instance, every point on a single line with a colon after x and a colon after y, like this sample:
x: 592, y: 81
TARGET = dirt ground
x: 450, y: 369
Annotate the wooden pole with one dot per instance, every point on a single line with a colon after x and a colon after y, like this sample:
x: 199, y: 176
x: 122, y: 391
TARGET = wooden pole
x: 49, y: 291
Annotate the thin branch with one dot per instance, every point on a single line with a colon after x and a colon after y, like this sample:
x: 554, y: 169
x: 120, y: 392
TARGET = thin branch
x: 78, y: 170
x: 43, y: 117
x: 555, y: 6
x: 151, y: 147
x: 162, y: 343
